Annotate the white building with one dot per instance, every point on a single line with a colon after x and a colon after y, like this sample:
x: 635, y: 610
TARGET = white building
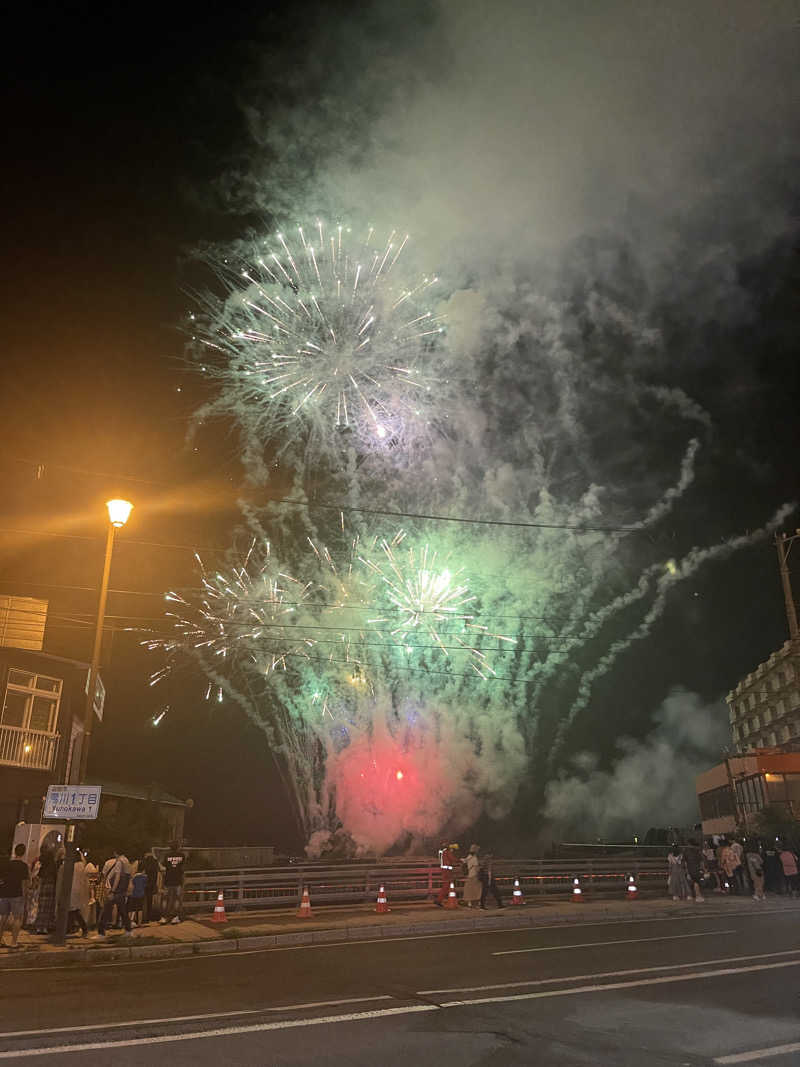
x: 764, y: 707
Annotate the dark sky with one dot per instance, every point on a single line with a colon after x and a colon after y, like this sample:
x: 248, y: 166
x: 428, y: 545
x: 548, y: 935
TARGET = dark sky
x: 119, y: 129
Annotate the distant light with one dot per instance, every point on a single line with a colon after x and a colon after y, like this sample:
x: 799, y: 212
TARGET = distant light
x: 399, y: 776
x: 381, y: 431
x: 671, y: 566
x: 28, y: 748
x: 119, y: 511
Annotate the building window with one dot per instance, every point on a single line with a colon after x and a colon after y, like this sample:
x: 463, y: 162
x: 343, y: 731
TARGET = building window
x: 794, y: 699
x: 754, y: 723
x: 766, y: 715
x: 781, y: 678
x: 31, y: 701
x: 752, y: 700
x: 772, y: 739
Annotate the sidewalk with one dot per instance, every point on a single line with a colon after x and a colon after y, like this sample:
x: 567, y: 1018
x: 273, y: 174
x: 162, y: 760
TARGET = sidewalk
x: 253, y: 931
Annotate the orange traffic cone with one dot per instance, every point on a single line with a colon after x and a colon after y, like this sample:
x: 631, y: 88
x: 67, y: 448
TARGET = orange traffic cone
x: 631, y: 889
x: 382, y: 906
x: 516, y: 896
x: 304, y: 911
x: 452, y: 899
x: 577, y: 892
x: 219, y: 909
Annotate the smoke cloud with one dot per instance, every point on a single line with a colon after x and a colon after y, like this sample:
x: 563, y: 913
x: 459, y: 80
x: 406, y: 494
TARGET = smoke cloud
x: 652, y: 781
x: 586, y: 181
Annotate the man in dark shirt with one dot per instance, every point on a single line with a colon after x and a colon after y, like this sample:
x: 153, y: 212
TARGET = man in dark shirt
x: 14, y: 875
x: 173, y: 883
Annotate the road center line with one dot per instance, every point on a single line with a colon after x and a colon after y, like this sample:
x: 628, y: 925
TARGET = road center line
x: 380, y: 1013
x: 599, y: 944
x: 188, y: 1018
x: 665, y: 980
x: 607, y: 974
x: 227, y: 1031
x: 759, y: 1054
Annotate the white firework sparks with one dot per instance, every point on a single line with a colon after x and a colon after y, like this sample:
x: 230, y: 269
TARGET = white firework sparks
x: 242, y: 616
x: 324, y: 334
x: 428, y: 602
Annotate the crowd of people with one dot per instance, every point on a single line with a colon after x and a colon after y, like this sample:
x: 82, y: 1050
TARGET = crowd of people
x: 745, y: 867
x: 117, y: 892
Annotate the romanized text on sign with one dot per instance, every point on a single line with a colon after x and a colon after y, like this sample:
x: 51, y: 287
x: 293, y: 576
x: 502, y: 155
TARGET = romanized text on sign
x: 72, y: 802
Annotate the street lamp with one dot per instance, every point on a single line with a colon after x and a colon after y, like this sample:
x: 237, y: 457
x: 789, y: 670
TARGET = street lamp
x: 118, y: 514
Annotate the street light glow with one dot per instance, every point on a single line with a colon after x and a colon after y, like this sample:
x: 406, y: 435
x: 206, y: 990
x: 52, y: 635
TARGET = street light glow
x: 119, y: 511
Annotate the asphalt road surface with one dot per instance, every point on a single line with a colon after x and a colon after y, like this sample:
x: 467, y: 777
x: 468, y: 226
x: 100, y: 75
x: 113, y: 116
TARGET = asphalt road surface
x: 694, y: 989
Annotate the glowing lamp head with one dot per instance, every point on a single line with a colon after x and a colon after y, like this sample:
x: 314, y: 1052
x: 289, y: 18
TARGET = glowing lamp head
x: 399, y: 776
x: 119, y: 511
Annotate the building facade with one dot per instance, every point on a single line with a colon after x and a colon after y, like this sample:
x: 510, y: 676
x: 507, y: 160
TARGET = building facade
x: 731, y: 794
x: 41, y: 730
x: 764, y: 708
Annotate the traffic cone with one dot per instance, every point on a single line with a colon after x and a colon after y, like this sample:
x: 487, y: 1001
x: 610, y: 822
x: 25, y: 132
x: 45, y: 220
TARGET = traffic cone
x: 452, y: 899
x: 382, y: 906
x: 516, y: 896
x: 304, y: 911
x: 219, y: 909
x: 631, y: 889
x: 577, y: 892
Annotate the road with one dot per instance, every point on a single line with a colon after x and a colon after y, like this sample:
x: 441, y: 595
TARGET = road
x: 693, y: 989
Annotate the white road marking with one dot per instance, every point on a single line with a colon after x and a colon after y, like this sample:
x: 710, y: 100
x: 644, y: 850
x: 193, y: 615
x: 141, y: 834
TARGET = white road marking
x: 607, y: 974
x: 228, y: 1031
x: 759, y: 1054
x: 709, y: 917
x: 599, y: 944
x: 380, y: 1013
x: 189, y: 1018
x: 666, y: 980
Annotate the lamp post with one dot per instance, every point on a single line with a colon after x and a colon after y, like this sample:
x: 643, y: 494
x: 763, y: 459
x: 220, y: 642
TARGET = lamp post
x: 118, y: 514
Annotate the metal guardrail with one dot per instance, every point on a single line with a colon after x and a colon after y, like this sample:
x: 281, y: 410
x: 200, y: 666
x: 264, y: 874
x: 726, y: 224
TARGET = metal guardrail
x: 266, y: 887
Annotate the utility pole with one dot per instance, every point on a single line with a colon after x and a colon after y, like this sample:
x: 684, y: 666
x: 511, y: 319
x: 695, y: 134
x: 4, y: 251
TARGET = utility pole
x: 784, y: 546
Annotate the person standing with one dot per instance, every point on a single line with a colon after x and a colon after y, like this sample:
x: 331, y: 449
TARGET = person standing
x: 46, y: 911
x: 117, y: 884
x: 448, y: 858
x: 737, y: 866
x: 677, y: 882
x: 472, y: 883
x: 693, y: 859
x: 80, y: 894
x: 14, y: 878
x: 152, y: 868
x: 755, y: 867
x: 488, y: 883
x: 789, y: 865
x: 174, y: 863
x: 137, y: 893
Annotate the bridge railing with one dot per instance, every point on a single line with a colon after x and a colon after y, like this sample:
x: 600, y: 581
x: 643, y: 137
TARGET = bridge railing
x: 354, y: 883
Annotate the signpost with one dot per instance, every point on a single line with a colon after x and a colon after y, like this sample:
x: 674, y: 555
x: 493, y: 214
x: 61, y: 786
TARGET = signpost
x: 72, y: 802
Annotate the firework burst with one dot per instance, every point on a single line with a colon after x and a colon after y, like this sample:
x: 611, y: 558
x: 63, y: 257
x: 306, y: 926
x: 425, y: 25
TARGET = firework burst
x: 427, y: 605
x: 321, y: 336
x: 243, y: 617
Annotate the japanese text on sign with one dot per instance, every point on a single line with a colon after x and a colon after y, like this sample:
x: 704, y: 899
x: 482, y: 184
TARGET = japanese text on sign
x: 72, y: 802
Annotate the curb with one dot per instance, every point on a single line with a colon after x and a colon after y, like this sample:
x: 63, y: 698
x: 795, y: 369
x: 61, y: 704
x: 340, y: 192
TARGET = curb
x: 331, y: 935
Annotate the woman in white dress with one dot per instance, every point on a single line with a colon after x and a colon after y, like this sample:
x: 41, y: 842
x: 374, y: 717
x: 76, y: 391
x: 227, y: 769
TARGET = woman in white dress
x: 472, y: 885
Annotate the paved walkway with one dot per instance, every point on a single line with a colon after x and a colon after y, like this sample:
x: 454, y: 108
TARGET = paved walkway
x: 352, y: 922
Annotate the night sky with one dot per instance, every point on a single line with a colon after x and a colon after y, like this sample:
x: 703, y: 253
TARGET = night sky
x: 135, y: 136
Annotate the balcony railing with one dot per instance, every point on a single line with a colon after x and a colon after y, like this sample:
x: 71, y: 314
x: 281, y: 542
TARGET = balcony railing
x: 35, y: 749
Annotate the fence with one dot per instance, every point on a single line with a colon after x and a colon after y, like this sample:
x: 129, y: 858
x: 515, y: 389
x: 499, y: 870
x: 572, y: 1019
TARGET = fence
x: 21, y: 747
x: 256, y: 887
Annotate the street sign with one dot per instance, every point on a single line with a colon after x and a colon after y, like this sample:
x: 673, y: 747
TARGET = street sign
x: 99, y: 695
x: 72, y: 802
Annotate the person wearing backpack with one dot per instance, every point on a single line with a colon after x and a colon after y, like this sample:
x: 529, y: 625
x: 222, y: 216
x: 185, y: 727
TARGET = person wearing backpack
x: 118, y: 881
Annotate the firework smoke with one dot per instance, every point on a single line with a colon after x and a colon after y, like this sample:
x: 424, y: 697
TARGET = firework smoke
x: 587, y: 245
